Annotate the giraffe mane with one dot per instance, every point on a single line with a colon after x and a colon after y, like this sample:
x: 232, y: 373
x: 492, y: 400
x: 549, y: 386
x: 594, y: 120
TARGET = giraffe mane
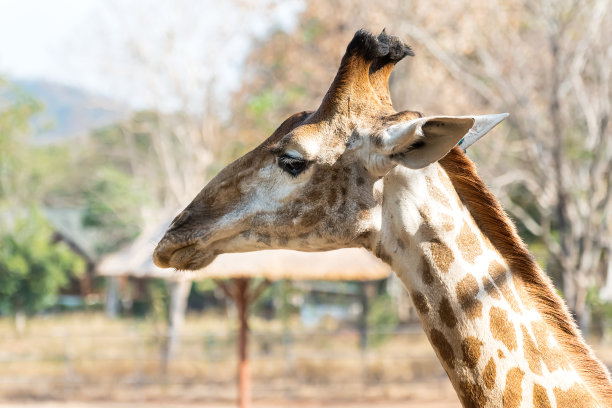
x: 501, y: 231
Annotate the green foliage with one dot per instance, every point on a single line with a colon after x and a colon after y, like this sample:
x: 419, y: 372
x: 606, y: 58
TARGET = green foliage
x: 204, y: 285
x: 159, y: 299
x: 16, y: 108
x: 312, y: 29
x: 110, y: 181
x: 264, y: 102
x: 111, y: 205
x: 262, y: 106
x: 33, y: 268
x: 381, y: 317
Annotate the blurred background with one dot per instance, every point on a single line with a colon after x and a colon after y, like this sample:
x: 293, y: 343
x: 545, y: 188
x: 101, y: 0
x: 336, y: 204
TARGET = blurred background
x: 113, y: 115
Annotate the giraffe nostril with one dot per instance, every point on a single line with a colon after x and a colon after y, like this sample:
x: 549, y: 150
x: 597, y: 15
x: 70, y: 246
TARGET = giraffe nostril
x: 179, y: 220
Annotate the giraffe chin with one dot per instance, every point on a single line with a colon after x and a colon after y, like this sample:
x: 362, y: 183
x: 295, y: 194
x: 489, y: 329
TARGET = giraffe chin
x: 191, y: 259
x: 199, y: 261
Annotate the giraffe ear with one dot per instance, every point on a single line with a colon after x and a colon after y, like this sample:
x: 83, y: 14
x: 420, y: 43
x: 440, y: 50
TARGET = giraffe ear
x: 420, y: 142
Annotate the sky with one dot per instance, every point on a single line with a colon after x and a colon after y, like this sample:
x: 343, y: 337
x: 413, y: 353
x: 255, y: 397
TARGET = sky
x: 150, y: 53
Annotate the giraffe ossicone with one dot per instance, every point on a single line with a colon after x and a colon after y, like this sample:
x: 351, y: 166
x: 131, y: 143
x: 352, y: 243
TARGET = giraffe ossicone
x: 356, y: 173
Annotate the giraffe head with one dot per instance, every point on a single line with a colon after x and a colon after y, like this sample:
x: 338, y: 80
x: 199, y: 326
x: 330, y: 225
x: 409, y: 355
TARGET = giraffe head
x: 315, y: 184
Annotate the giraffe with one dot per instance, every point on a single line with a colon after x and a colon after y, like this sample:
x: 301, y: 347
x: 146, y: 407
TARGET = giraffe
x: 357, y: 173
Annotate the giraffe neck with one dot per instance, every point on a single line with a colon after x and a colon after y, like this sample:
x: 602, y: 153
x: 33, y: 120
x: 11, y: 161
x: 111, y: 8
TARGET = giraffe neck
x: 492, y: 341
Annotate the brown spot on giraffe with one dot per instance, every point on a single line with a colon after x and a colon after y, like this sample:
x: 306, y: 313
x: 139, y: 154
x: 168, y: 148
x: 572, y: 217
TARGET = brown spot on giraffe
x: 467, y: 290
x: 447, y: 315
x: 488, y: 375
x: 315, y: 195
x: 447, y: 222
x: 532, y: 354
x: 426, y: 233
x: 490, y: 288
x: 331, y: 196
x: 513, y: 390
x: 441, y: 255
x: 443, y: 347
x: 426, y: 274
x: 470, y: 346
x: 468, y: 244
x: 501, y: 328
x: 319, y: 178
x: 420, y: 302
x: 425, y: 213
x: 436, y: 193
x: 311, y: 217
x: 577, y: 396
x: 540, y: 397
x: 498, y: 272
x: 472, y: 395
x: 500, y: 353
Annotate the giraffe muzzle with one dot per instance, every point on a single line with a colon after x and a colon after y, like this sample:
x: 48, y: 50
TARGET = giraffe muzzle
x: 189, y: 256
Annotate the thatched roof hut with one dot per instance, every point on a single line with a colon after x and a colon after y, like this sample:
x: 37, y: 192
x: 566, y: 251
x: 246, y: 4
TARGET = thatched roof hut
x: 234, y: 273
x: 274, y: 264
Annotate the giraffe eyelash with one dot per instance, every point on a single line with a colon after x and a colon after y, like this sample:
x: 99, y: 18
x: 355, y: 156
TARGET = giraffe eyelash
x: 292, y: 165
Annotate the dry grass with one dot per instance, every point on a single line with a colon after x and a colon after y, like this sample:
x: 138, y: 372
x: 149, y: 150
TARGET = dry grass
x: 96, y: 361
x: 87, y: 357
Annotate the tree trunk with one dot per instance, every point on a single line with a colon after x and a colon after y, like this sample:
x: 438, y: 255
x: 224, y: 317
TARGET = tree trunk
x: 111, y: 304
x: 20, y: 320
x: 363, y: 317
x: 179, y: 292
x: 575, y: 296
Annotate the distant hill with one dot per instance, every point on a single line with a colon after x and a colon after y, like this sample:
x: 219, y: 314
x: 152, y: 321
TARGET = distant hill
x: 69, y: 112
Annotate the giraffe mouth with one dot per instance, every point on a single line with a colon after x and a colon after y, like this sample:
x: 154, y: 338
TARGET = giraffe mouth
x: 188, y: 257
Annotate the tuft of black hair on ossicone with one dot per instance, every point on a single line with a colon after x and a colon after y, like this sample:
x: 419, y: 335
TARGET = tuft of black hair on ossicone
x: 397, y: 50
x: 367, y: 46
x: 380, y: 50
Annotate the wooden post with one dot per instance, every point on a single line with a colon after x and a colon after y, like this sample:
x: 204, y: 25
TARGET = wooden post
x: 241, y: 286
x: 243, y: 297
x: 244, y: 375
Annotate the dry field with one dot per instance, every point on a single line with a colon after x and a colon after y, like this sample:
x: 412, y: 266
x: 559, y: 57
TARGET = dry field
x: 90, y: 361
x: 86, y: 360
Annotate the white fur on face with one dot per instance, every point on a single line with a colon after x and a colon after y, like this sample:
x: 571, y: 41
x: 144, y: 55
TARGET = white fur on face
x: 267, y: 191
x: 376, y: 163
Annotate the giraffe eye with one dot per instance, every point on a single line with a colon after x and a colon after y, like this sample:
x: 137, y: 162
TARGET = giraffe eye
x: 292, y: 165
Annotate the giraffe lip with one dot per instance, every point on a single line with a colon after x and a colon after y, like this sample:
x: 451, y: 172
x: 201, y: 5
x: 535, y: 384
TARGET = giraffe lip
x: 189, y: 256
